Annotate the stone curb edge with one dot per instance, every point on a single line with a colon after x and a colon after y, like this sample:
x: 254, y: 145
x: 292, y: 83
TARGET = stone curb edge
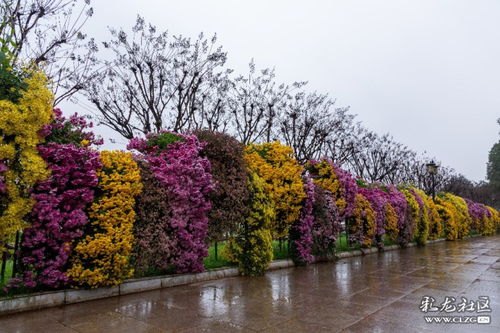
x: 70, y: 296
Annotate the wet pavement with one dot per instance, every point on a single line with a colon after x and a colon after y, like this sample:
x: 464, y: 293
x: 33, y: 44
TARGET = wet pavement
x: 375, y: 293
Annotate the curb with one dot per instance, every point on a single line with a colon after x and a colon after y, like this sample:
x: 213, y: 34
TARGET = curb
x: 48, y: 299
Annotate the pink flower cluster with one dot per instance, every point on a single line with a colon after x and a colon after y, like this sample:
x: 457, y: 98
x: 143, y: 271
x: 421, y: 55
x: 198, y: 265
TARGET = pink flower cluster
x: 58, y: 217
x: 349, y: 190
x: 378, y: 200
x: 326, y: 226
x: 187, y: 181
x: 400, y: 205
x: 301, y: 231
x: 73, y: 130
x: 478, y: 212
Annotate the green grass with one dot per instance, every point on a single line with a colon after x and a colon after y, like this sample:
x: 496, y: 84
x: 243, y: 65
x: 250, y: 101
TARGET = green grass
x: 280, y: 253
x: 215, y: 262
x: 388, y: 242
x: 342, y: 243
x: 8, y: 273
x: 7, y: 276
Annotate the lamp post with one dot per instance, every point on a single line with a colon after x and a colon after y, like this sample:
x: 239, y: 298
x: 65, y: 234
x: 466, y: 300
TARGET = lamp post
x: 432, y: 169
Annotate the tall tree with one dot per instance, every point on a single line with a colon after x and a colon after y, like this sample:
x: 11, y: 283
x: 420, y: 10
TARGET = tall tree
x: 256, y: 103
x: 379, y: 158
x: 155, y: 81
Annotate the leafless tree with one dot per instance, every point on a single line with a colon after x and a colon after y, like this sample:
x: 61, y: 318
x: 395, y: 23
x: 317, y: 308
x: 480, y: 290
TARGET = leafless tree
x: 304, y: 124
x: 312, y: 125
x: 420, y: 176
x: 156, y: 81
x: 349, y: 139
x: 49, y: 33
x: 256, y: 102
x: 213, y: 111
x: 379, y: 158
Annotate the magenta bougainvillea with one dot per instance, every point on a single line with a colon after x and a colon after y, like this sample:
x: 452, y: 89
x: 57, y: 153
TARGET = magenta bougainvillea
x: 175, y: 161
x: 301, y: 232
x: 340, y: 183
x: 479, y: 213
x: 229, y: 171
x: 326, y: 225
x: 73, y: 130
x: 349, y: 191
x: 378, y: 200
x: 58, y: 217
x: 398, y: 202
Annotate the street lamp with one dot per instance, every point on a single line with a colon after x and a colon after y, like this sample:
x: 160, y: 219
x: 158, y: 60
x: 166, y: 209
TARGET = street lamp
x: 432, y: 169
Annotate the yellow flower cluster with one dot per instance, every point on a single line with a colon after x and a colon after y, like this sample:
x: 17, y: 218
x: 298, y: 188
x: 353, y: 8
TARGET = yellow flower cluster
x: 447, y: 214
x: 281, y: 173
x: 491, y: 224
x: 102, y: 257
x: 460, y: 212
x: 435, y: 222
x: 391, y: 223
x: 328, y: 180
x: 363, y: 221
x: 422, y: 220
x: 19, y: 126
x: 252, y: 247
x: 413, y: 208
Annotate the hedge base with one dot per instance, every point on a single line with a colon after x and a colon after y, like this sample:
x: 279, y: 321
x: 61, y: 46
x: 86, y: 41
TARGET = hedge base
x: 48, y: 299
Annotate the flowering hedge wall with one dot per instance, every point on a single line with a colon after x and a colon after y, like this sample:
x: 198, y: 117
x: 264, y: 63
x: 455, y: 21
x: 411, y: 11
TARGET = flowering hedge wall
x: 102, y: 257
x: 340, y: 183
x: 326, y: 226
x: 390, y: 223
x: 58, y: 217
x: 21, y: 166
x: 422, y: 218
x: 461, y: 213
x: 481, y: 217
x: 377, y: 200
x: 230, y: 195
x: 276, y: 165
x: 301, y: 232
x: 88, y: 218
x: 251, y: 248
x: 447, y: 213
x: 362, y: 225
x: 155, y: 246
x: 176, y: 162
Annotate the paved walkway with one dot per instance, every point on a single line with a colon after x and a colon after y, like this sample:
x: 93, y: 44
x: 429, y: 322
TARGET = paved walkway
x: 375, y: 293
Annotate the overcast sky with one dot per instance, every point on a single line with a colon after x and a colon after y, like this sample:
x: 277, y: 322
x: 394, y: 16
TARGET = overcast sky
x: 426, y: 71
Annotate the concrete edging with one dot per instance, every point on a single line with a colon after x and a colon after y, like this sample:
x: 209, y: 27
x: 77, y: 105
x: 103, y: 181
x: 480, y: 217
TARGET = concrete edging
x: 70, y: 296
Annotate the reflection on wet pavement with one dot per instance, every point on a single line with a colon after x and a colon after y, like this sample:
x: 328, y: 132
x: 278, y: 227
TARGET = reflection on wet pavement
x: 374, y: 293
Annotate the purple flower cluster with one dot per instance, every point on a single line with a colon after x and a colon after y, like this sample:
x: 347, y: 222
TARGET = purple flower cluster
x: 478, y: 212
x: 58, y: 217
x: 349, y: 191
x: 378, y: 201
x: 326, y: 222
x: 301, y: 231
x: 73, y: 130
x: 419, y: 200
x: 398, y: 202
x: 187, y: 181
